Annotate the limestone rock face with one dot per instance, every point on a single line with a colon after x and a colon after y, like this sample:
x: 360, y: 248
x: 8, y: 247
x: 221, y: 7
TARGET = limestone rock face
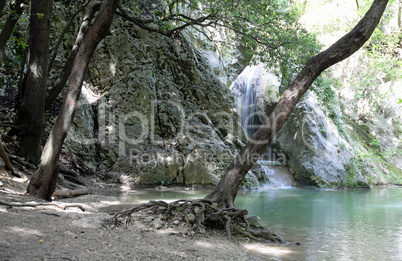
x: 315, y: 152
x: 153, y: 109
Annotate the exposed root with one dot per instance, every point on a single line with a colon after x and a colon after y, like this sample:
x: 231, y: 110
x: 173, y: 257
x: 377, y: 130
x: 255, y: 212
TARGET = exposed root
x: 38, y: 204
x: 6, y: 160
x: 198, y: 215
x: 66, y: 193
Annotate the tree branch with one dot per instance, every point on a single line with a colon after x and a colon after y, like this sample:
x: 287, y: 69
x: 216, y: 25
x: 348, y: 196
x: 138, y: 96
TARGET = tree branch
x: 226, y: 190
x: 65, y: 74
x: 70, y: 21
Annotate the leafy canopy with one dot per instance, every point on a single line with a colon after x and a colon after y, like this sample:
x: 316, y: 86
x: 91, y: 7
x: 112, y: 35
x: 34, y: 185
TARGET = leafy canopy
x: 268, y: 29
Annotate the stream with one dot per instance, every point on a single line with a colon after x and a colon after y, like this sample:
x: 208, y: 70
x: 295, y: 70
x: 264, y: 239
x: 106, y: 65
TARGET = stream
x: 328, y: 224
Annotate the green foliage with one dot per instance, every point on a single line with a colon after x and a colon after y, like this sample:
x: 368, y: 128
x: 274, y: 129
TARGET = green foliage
x: 354, y: 168
x: 17, y: 44
x: 324, y: 87
x: 268, y: 30
x: 381, y: 65
x: 162, y: 177
x: 374, y: 142
x: 392, y: 152
x: 350, y: 181
x: 19, y: 41
x: 40, y: 15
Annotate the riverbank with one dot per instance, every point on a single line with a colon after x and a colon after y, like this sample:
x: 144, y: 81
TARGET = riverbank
x: 46, y: 232
x: 49, y: 233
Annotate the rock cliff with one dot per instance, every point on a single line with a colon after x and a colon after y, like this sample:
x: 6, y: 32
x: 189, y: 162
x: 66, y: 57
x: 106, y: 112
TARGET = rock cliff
x: 153, y: 110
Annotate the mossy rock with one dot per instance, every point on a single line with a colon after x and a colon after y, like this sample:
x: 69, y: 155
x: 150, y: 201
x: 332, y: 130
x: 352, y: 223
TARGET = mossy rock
x: 368, y: 139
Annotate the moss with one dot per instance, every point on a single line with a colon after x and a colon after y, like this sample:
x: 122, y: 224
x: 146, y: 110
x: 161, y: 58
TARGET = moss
x: 369, y: 161
x: 319, y: 182
x: 395, y: 174
x: 368, y: 140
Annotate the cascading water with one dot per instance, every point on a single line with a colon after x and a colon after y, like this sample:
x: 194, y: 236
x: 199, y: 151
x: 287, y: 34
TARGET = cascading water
x: 251, y: 89
x: 247, y: 90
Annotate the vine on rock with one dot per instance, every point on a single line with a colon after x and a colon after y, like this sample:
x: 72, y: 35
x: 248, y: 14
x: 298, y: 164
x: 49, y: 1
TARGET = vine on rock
x: 200, y: 214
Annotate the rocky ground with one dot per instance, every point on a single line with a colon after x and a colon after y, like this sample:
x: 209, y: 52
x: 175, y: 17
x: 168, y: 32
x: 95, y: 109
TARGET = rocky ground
x: 46, y: 232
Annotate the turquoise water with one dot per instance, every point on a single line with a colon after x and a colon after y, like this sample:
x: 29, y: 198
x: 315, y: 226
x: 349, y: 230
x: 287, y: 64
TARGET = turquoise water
x: 329, y: 225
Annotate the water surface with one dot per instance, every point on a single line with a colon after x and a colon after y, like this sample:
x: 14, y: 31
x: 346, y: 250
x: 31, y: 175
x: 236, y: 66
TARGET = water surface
x: 330, y: 225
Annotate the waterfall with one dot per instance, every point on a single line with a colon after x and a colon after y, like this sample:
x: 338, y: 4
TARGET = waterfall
x: 245, y: 89
x: 251, y: 92
x: 278, y: 176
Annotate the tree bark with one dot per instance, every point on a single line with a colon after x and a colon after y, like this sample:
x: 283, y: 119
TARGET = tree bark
x: 226, y: 190
x: 43, y: 182
x: 62, y: 79
x: 31, y: 114
x: 10, y: 24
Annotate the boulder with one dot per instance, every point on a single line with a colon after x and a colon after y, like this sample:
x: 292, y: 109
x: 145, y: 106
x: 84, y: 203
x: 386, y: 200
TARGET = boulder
x: 315, y: 151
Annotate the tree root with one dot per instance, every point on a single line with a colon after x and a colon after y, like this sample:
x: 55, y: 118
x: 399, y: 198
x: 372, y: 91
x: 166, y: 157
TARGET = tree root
x: 6, y: 160
x: 68, y: 172
x: 22, y: 162
x: 198, y: 215
x: 38, y: 204
x: 66, y: 193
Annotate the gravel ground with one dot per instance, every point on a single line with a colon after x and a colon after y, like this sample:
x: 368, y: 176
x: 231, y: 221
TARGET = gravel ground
x: 49, y: 233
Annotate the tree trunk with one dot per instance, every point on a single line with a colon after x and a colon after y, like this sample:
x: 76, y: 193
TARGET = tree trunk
x: 62, y: 79
x: 226, y: 190
x: 9, y: 25
x: 31, y: 114
x: 43, y: 182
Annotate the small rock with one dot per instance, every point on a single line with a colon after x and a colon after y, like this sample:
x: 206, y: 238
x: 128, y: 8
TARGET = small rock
x: 176, y: 222
x: 196, y: 209
x: 214, y: 205
x: 256, y: 221
x: 202, y: 230
x: 88, y: 222
x: 190, y: 218
x: 148, y: 219
x: 70, y: 234
x: 157, y: 223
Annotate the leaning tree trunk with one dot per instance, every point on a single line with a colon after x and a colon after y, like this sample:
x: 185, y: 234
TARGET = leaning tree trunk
x: 226, y: 190
x: 43, y: 182
x: 62, y: 79
x: 31, y: 115
x: 10, y: 24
